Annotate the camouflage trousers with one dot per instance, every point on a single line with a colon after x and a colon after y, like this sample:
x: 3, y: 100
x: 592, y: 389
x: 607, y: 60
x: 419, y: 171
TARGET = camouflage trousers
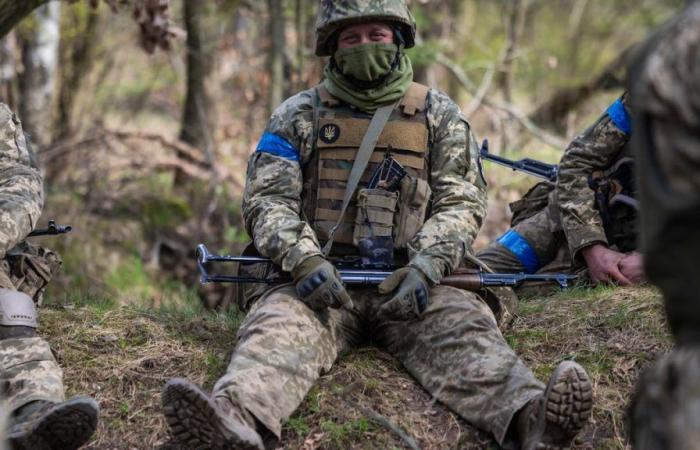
x: 28, y: 369
x: 455, y: 351
x: 541, y: 247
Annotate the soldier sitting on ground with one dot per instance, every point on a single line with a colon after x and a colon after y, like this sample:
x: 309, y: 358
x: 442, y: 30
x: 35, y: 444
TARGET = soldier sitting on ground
x: 31, y: 386
x: 586, y: 222
x: 295, y: 209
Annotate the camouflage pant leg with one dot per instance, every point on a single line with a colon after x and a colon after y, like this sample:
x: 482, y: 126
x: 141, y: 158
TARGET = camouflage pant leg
x: 28, y: 372
x: 457, y: 353
x: 28, y: 369
x: 283, y: 348
x: 665, y: 409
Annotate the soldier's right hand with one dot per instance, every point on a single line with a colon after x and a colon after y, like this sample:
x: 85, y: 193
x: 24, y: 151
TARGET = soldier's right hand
x: 319, y: 285
x: 603, y: 265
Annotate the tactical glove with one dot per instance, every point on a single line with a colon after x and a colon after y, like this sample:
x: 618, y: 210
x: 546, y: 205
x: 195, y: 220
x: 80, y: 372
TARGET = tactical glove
x: 409, y: 300
x: 319, y: 286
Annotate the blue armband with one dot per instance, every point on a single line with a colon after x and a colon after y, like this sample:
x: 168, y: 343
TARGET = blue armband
x: 276, y: 145
x: 619, y: 116
x: 522, y: 250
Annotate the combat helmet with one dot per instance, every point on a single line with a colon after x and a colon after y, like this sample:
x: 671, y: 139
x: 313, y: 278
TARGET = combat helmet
x: 335, y: 14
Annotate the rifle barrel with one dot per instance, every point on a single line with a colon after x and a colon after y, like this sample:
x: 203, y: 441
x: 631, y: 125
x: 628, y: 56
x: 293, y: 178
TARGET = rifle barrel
x: 530, y: 166
x: 467, y: 280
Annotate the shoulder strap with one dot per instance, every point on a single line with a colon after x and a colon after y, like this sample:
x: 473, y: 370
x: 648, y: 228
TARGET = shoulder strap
x: 325, y: 96
x: 414, y: 99
x: 369, y: 141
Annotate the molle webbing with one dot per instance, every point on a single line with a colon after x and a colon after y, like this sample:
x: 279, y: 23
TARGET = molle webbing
x: 340, y: 130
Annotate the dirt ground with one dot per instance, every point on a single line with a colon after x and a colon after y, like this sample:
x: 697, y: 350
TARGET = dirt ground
x: 123, y: 356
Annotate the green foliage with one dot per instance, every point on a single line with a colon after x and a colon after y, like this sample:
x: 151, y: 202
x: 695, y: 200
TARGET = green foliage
x: 299, y: 426
x: 343, y: 434
x: 215, y: 366
x: 130, y: 275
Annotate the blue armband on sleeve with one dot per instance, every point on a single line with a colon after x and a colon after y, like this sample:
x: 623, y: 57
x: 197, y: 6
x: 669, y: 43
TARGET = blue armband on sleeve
x: 276, y: 145
x: 619, y: 116
x: 522, y: 250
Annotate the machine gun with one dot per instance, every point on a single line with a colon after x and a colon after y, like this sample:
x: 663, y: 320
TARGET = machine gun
x: 530, y: 166
x: 353, y: 273
x: 51, y: 230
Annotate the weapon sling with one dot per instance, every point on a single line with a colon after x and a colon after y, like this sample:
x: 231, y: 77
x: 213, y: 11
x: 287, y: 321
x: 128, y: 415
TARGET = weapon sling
x: 369, y: 141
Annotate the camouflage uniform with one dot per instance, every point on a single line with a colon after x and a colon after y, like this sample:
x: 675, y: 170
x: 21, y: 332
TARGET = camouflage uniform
x: 454, y: 350
x: 552, y: 223
x: 28, y: 369
x: 296, y: 181
x: 665, y: 82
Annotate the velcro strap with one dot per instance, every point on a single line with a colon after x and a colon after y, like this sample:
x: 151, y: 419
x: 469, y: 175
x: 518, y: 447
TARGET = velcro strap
x: 378, y: 217
x: 374, y: 230
x: 342, y: 235
x: 331, y: 194
x: 386, y: 202
x: 413, y: 161
x: 404, y: 135
x: 332, y: 215
x: 414, y: 99
x: 341, y: 175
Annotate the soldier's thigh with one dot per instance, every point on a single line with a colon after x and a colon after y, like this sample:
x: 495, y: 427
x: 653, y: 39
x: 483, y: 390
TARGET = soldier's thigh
x: 282, y: 314
x: 527, y: 247
x: 453, y: 316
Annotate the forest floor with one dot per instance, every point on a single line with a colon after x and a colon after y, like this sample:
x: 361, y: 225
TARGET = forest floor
x: 123, y: 355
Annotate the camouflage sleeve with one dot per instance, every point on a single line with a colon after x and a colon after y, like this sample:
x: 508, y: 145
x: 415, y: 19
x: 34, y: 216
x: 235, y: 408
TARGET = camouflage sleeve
x: 272, y: 197
x: 593, y: 150
x: 666, y: 94
x: 21, y: 193
x: 458, y: 202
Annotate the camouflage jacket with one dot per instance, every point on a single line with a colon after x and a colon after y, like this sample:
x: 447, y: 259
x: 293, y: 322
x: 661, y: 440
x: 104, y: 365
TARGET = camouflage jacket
x: 21, y: 194
x: 272, y: 206
x: 596, y: 149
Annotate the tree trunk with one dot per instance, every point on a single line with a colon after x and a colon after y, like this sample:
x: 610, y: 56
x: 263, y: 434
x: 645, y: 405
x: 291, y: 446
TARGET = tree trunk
x: 196, y: 114
x: 37, y: 80
x: 516, y: 22
x: 276, y: 53
x: 195, y: 117
x: 8, y: 47
x: 300, y: 15
x: 76, y: 61
x: 13, y: 11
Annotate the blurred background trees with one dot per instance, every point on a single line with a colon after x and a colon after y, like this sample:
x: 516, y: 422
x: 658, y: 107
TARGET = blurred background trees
x: 145, y: 151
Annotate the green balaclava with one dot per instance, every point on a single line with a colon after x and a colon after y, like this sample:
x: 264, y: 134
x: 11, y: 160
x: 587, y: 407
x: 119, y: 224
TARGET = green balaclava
x: 369, y: 75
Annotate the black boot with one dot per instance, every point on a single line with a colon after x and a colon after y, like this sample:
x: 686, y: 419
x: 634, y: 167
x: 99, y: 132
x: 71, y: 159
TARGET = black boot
x: 198, y: 421
x: 552, y: 421
x: 42, y: 425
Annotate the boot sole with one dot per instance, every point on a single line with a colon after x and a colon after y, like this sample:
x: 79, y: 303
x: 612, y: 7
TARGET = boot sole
x: 568, y: 401
x: 195, y: 423
x: 67, y: 427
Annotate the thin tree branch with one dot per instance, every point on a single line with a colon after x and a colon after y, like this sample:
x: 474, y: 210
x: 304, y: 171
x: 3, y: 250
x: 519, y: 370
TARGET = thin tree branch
x: 480, y: 94
x: 522, y: 118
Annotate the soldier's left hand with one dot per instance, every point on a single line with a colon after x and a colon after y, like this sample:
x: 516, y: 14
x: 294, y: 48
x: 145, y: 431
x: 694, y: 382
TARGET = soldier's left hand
x: 409, y: 295
x: 632, y: 266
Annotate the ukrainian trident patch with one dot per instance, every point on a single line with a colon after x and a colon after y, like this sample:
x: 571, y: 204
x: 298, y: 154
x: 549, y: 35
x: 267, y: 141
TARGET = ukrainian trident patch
x: 329, y: 133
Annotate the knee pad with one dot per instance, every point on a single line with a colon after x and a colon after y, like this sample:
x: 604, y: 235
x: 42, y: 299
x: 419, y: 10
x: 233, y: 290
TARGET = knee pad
x: 17, y: 314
